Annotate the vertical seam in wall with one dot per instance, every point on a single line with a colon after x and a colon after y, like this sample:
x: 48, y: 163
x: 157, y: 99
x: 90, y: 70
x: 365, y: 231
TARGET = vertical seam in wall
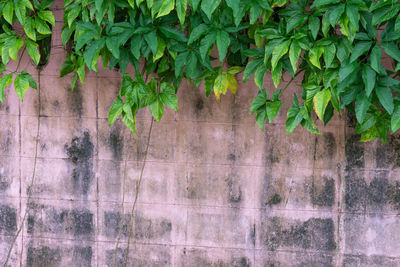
x: 339, y: 209
x: 97, y: 173
x: 20, y: 172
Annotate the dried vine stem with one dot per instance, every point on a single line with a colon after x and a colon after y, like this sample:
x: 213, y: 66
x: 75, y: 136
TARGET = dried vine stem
x: 32, y: 178
x: 137, y: 191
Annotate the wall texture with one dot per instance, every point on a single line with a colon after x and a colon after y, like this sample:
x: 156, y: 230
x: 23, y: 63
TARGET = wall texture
x: 216, y: 190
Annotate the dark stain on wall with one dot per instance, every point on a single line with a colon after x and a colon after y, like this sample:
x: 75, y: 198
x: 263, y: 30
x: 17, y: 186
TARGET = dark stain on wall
x: 154, y: 257
x: 143, y: 228
x: 354, y: 151
x: 116, y: 142
x: 196, y: 257
x: 374, y: 260
x: 75, y: 99
x: 43, y: 256
x: 82, y: 256
x: 315, y: 233
x: 330, y: 144
x: 326, y: 196
x: 45, y: 219
x: 393, y: 195
x: 275, y: 199
x: 5, y: 180
x: 388, y: 155
x: 199, y: 105
x: 299, y: 259
x: 234, y: 191
x: 80, y: 153
x: 8, y: 219
x: 6, y: 140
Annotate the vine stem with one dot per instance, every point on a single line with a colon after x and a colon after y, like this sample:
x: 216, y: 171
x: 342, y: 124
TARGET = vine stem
x: 32, y: 178
x: 291, y: 80
x: 137, y: 191
x: 19, y: 61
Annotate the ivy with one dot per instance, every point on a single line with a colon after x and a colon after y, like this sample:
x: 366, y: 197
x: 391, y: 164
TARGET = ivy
x: 335, y: 47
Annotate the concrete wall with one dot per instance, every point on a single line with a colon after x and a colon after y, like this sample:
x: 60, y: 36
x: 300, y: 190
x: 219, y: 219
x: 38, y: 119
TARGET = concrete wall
x: 216, y: 190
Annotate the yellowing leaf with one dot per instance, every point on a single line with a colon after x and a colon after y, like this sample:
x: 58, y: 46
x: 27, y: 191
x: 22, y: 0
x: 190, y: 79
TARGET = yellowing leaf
x: 220, y: 85
x: 232, y: 83
x: 321, y: 100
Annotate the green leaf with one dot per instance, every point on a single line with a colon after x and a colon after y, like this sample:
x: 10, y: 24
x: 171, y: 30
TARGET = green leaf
x: 321, y: 100
x: 359, y: 49
x: 4, y: 81
x: 259, y: 75
x: 32, y: 82
x: 73, y: 14
x: 48, y: 16
x: 29, y: 28
x: 259, y: 101
x: 157, y: 109
x: 294, y: 54
x: 197, y: 32
x: 151, y: 40
x: 173, y: 33
x: 392, y: 50
x: 395, y: 121
x: 20, y: 11
x: 206, y: 42
x: 191, y: 65
x: 362, y: 104
x: 136, y: 44
x: 369, y: 78
x: 8, y: 11
x: 294, y: 116
x: 21, y: 85
x: 223, y: 42
x: 180, y: 61
x: 209, y: 6
x: 166, y: 7
x: 251, y: 68
x: 113, y: 47
x: 315, y: 55
x: 261, y: 117
x: 66, y: 68
x: 42, y: 27
x: 318, y: 3
x: 33, y: 51
x: 386, y: 98
x: 352, y: 15
x: 314, y: 26
x: 168, y: 96
x: 376, y: 56
x: 273, y: 109
x: 115, y: 111
x: 181, y: 6
x: 278, y: 52
x: 15, y: 47
x: 329, y: 55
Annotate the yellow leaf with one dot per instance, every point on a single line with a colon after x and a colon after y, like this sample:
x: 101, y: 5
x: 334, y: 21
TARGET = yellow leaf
x: 232, y: 83
x: 160, y: 49
x: 220, y: 85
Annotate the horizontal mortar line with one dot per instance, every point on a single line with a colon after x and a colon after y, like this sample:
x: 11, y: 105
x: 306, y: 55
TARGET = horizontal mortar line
x: 358, y: 255
x: 224, y: 207
x: 122, y: 241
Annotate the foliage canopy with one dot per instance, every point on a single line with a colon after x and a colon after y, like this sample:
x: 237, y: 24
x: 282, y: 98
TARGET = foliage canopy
x: 337, y: 46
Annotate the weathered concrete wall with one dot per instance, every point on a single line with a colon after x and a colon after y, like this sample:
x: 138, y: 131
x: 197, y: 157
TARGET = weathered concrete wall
x: 216, y: 190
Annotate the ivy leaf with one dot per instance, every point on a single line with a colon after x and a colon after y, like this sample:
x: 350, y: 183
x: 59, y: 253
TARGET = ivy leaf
x: 168, y: 96
x: 4, y: 81
x: 223, y: 42
x: 362, y: 104
x: 369, y: 78
x: 321, y: 100
x: 197, y: 32
x: 157, y: 109
x: 395, y: 121
x: 375, y: 58
x: 294, y: 54
x: 318, y: 3
x: 48, y: 16
x: 21, y: 85
x: 386, y: 98
x: 259, y: 101
x: 209, y: 6
x: 29, y: 28
x: 33, y: 51
x: 181, y: 6
x: 8, y: 11
x: 278, y: 52
x: 180, y: 63
x: 294, y: 116
x: 166, y: 7
x: 359, y: 49
x: 314, y: 26
x: 151, y: 40
x: 273, y: 109
x: 115, y: 111
x: 392, y: 50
